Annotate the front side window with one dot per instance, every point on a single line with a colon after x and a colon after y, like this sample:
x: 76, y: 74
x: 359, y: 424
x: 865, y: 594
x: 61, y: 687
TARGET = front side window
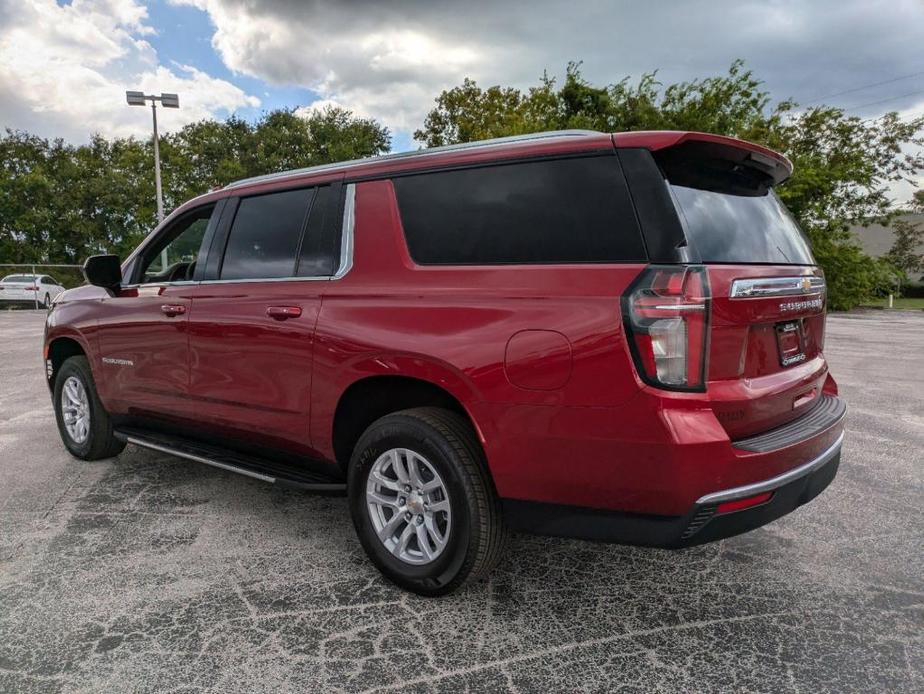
x: 575, y: 210
x: 264, y: 238
x: 172, y: 258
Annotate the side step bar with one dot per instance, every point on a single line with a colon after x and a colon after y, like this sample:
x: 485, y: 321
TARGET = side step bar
x: 263, y: 469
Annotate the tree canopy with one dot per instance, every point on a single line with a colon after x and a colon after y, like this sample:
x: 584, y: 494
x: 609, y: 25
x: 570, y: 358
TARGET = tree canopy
x: 843, y: 164
x: 60, y: 203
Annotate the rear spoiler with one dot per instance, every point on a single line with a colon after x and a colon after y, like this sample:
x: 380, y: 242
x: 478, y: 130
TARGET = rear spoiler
x: 763, y: 167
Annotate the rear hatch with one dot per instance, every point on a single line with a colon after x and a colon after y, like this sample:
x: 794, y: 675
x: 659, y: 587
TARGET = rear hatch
x: 764, y: 295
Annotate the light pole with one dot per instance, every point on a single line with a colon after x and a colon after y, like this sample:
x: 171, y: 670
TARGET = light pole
x: 167, y: 101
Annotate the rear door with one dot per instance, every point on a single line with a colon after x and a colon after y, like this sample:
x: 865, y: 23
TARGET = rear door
x: 253, y: 317
x: 766, y: 334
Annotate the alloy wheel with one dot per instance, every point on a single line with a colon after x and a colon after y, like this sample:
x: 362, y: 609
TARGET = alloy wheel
x: 75, y: 406
x: 409, y: 506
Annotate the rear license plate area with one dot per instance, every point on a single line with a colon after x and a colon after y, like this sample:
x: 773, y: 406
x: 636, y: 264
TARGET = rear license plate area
x: 790, y: 342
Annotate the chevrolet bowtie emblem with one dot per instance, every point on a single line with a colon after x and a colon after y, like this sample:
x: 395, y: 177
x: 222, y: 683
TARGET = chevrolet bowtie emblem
x: 806, y: 284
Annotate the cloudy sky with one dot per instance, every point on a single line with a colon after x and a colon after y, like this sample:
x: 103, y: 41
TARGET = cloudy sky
x: 64, y: 66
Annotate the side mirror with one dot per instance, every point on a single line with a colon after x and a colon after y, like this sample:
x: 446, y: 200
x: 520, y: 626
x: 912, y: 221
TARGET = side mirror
x: 103, y: 271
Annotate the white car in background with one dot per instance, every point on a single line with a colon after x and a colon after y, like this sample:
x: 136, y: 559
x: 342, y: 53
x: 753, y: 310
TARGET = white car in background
x: 29, y: 289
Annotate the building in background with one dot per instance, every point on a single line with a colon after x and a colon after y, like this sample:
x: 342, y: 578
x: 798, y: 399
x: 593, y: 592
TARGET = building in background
x: 877, y: 239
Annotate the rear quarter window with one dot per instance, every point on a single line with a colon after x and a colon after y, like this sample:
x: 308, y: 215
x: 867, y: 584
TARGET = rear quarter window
x: 554, y: 211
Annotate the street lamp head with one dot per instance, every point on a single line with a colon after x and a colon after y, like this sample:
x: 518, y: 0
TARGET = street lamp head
x: 135, y: 98
x: 170, y: 100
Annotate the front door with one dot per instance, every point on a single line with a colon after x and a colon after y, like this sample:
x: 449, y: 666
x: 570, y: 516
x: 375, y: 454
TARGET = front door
x: 142, y: 328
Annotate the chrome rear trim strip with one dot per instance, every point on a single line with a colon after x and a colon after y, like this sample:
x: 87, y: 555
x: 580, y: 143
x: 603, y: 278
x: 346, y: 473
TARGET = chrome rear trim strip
x: 776, y: 286
x: 346, y: 239
x: 774, y: 482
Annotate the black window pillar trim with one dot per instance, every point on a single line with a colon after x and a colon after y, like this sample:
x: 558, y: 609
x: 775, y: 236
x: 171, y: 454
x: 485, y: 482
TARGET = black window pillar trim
x: 219, y: 239
x: 202, y: 258
x: 662, y: 228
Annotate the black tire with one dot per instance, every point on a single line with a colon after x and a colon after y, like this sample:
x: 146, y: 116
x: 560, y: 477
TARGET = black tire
x: 47, y: 303
x: 449, y: 444
x: 100, y: 442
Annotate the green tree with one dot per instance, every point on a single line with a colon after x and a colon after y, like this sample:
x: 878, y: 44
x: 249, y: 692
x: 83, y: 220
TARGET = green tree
x: 60, y: 203
x: 917, y: 202
x: 904, y: 254
x: 842, y: 164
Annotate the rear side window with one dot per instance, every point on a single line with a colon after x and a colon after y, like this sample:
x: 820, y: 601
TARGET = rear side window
x: 559, y: 211
x: 263, y: 241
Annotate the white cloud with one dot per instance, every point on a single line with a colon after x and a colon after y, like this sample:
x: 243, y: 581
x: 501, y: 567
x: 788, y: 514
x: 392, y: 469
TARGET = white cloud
x: 387, y: 68
x: 391, y: 59
x: 64, y: 71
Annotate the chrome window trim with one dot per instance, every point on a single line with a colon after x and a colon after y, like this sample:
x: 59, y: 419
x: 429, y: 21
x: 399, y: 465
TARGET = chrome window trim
x: 346, y: 256
x: 252, y: 280
x: 346, y: 236
x: 774, y: 482
x: 158, y: 284
x: 759, y: 287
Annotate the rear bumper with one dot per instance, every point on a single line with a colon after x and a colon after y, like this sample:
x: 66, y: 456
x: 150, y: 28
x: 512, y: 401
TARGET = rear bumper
x: 20, y: 301
x: 700, y: 524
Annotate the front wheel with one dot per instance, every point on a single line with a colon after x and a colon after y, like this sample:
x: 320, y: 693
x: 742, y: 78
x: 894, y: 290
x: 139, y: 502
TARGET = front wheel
x: 84, y: 425
x: 47, y: 302
x: 422, y: 501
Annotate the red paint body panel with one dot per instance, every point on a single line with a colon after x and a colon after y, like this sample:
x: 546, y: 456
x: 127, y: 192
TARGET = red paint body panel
x: 538, y: 360
x: 537, y: 355
x: 249, y: 372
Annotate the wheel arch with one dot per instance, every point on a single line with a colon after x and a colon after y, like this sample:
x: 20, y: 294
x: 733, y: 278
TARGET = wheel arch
x: 369, y: 398
x: 59, y: 350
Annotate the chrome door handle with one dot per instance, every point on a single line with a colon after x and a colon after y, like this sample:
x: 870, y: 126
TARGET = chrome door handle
x: 171, y: 310
x: 283, y: 312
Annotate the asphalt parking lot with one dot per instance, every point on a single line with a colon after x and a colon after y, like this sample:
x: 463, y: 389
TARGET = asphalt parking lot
x: 147, y: 573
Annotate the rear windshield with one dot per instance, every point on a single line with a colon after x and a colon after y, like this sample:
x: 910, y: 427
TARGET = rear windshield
x: 725, y: 227
x: 18, y: 278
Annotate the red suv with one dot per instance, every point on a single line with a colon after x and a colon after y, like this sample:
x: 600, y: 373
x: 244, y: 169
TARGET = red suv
x: 612, y: 337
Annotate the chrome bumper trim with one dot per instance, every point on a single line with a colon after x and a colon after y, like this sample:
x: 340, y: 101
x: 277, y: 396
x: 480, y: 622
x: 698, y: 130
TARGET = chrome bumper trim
x: 774, y: 482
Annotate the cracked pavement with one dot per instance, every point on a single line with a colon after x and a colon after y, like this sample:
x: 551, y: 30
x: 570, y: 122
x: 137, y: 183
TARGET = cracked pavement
x: 147, y: 573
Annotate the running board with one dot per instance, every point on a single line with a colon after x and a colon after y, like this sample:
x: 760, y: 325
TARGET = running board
x: 252, y: 466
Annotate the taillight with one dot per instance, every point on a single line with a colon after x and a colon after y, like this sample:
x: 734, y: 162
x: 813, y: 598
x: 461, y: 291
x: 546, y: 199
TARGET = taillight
x: 31, y: 289
x: 666, y: 314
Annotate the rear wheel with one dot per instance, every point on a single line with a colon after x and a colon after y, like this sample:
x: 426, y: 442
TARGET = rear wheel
x: 84, y: 425
x: 422, y: 501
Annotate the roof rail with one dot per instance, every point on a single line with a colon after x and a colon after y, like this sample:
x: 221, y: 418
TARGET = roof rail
x: 417, y: 153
